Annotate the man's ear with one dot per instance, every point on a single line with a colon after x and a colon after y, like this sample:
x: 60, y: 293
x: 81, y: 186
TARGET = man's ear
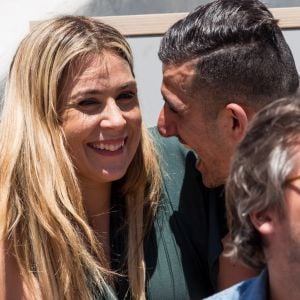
x: 236, y: 120
x: 263, y: 221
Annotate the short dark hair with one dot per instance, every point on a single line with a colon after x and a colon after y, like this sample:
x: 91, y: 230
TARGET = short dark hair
x: 239, y: 49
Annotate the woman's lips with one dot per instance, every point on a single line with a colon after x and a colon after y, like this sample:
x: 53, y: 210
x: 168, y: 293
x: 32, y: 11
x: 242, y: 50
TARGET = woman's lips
x: 115, y: 146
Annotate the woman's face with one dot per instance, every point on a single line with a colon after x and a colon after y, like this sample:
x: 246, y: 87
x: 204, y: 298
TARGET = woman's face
x: 101, y: 117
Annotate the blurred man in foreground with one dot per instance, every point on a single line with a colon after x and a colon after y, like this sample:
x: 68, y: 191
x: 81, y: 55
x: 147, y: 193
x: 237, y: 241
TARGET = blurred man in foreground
x: 263, y: 202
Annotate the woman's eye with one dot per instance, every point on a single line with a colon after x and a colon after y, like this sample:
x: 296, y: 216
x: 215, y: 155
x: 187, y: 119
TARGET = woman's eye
x: 126, y: 96
x: 87, y: 102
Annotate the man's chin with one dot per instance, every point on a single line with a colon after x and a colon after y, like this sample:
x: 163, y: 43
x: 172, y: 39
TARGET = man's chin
x: 208, y: 180
x: 182, y: 142
x: 211, y: 184
x: 199, y: 165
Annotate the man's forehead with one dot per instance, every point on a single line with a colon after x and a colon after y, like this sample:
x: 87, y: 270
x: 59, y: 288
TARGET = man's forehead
x: 185, y: 68
x: 179, y: 76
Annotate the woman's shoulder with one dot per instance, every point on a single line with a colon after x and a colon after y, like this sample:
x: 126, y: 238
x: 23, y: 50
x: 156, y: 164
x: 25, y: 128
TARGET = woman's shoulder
x: 11, y: 284
x: 174, y: 158
x: 177, y: 164
x: 169, y: 145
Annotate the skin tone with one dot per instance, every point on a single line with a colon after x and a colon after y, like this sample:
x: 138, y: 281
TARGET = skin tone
x: 11, y: 284
x: 10, y: 281
x: 282, y: 239
x: 231, y: 272
x: 102, y: 124
x: 213, y: 139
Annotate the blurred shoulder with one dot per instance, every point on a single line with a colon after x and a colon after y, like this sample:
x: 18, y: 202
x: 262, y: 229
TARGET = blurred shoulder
x: 169, y: 145
x: 181, y: 179
x: 254, y: 288
x: 172, y: 154
x: 232, y: 293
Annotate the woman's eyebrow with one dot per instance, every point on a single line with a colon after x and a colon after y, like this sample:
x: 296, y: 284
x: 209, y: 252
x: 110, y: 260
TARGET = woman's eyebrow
x: 84, y: 92
x: 131, y: 84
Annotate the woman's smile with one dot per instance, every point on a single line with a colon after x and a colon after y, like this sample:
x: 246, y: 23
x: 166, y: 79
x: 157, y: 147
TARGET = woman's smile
x: 109, y: 147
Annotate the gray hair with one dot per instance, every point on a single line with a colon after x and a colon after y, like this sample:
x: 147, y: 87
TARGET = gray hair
x: 259, y: 171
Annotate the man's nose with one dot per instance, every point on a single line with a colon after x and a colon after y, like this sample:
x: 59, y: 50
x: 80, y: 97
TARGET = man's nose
x: 166, y: 126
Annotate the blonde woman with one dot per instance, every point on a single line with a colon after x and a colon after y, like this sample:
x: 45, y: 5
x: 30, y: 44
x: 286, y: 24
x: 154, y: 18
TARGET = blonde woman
x: 76, y: 166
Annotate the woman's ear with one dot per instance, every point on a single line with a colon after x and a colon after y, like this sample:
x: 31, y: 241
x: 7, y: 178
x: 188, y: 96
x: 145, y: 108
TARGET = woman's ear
x: 237, y: 120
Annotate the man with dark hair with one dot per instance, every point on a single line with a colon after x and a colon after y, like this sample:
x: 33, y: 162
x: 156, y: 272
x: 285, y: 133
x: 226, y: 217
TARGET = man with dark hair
x: 263, y: 204
x: 221, y: 64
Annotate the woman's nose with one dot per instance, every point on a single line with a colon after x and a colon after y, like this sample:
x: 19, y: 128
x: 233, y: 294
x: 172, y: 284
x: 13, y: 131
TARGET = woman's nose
x: 112, y: 116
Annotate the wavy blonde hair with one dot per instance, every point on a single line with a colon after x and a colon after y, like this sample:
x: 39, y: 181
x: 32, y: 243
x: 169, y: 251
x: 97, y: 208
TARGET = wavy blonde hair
x: 42, y: 219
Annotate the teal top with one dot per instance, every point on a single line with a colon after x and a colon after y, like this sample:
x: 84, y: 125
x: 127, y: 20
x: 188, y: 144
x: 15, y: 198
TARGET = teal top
x: 184, y: 243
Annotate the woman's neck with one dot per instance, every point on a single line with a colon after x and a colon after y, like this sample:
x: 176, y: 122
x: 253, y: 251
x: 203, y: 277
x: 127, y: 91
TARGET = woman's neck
x: 96, y: 200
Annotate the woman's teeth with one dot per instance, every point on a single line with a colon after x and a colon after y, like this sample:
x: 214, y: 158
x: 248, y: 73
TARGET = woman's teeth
x: 108, y: 147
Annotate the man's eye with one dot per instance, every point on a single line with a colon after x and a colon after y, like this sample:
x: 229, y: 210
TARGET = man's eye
x: 171, y: 108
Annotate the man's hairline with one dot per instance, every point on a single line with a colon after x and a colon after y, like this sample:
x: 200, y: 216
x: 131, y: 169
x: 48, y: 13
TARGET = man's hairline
x: 210, y: 110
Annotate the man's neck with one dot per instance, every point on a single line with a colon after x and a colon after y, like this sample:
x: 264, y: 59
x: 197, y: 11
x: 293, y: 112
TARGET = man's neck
x: 231, y: 272
x: 284, y: 282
